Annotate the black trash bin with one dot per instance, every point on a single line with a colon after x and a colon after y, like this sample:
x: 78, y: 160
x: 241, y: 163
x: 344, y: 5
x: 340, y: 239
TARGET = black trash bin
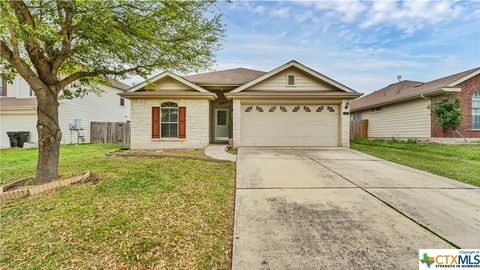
x: 22, y: 137
x: 12, y: 136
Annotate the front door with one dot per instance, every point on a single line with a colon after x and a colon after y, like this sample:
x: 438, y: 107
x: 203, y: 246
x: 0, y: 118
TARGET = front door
x: 221, y: 124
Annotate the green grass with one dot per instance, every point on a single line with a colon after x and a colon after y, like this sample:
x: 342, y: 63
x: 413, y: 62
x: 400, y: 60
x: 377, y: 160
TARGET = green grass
x: 142, y: 214
x: 459, y: 162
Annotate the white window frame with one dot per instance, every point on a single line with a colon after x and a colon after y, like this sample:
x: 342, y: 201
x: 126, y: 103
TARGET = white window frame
x: 475, y: 98
x: 294, y: 80
x: 162, y: 122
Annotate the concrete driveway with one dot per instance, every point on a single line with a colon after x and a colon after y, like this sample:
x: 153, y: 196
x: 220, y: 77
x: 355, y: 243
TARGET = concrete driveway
x: 335, y: 208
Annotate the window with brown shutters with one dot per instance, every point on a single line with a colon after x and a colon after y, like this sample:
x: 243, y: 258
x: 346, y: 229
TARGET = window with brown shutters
x: 155, y: 122
x: 182, y: 128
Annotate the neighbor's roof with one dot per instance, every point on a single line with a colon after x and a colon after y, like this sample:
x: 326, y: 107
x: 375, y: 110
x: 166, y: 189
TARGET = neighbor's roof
x: 236, y: 76
x: 118, y: 84
x: 6, y: 102
x: 409, y: 89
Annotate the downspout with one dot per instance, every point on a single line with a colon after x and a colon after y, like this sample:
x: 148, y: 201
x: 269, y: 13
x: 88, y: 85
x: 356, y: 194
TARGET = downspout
x: 430, y: 108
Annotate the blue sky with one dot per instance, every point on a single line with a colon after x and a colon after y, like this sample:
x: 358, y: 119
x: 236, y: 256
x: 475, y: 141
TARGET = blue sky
x: 363, y: 44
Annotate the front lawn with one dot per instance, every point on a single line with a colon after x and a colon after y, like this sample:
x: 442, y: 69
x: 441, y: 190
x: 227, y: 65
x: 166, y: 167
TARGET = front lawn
x: 142, y: 214
x: 457, y: 162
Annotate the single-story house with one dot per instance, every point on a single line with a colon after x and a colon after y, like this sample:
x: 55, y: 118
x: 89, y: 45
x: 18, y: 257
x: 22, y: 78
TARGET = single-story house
x: 402, y: 110
x: 18, y: 111
x: 292, y: 105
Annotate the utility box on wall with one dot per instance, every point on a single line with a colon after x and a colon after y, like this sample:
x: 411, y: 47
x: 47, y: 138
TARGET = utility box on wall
x: 76, y: 125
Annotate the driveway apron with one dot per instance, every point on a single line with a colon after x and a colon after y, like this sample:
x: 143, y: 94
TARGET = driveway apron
x: 335, y: 208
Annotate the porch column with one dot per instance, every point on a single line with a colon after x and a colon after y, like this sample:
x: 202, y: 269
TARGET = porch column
x: 345, y: 123
x: 237, y: 109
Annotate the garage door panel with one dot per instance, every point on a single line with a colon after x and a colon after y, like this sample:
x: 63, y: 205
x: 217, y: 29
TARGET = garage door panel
x: 300, y: 128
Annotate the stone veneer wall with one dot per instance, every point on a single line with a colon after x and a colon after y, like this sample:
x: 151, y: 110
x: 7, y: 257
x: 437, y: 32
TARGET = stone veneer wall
x: 197, y: 124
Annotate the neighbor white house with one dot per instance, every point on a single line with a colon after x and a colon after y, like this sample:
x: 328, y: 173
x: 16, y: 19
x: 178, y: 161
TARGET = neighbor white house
x: 18, y: 111
x: 291, y: 105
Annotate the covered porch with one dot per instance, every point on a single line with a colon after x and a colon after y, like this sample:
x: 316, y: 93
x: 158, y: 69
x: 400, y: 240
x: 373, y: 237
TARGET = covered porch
x: 221, y: 121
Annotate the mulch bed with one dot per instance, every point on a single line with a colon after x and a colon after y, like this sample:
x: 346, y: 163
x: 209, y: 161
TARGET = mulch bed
x: 121, y: 153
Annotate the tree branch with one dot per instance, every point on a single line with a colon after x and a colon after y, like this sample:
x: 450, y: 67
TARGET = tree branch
x: 33, y: 48
x: 82, y: 74
x: 11, y: 29
x: 21, y: 67
x: 66, y: 26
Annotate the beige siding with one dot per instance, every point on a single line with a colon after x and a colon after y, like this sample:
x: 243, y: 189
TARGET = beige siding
x: 169, y: 83
x: 18, y: 88
x: 409, y: 119
x: 104, y: 107
x: 303, y: 82
x: 197, y: 124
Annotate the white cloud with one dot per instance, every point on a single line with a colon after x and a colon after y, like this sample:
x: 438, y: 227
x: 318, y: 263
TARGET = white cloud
x: 280, y: 12
x: 411, y: 15
x: 259, y: 9
x: 408, y: 15
x: 304, y: 17
x: 346, y: 10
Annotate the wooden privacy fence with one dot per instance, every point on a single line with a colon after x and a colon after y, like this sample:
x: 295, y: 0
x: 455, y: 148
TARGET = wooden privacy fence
x: 358, y: 129
x: 110, y: 132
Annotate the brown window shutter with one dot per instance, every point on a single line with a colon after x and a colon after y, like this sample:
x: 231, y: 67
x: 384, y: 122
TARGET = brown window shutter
x: 155, y: 122
x: 182, y: 128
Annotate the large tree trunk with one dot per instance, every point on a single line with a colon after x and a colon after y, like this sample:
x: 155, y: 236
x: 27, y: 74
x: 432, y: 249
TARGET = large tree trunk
x: 49, y: 137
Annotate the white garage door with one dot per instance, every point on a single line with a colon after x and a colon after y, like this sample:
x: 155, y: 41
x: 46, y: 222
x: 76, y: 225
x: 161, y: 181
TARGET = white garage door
x: 290, y: 125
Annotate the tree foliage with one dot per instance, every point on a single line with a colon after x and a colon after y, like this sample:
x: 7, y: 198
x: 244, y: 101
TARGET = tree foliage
x: 53, y: 44
x: 448, y: 112
x: 87, y: 40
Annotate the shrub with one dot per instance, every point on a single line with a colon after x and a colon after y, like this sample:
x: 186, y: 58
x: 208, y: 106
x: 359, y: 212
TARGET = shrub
x: 448, y: 112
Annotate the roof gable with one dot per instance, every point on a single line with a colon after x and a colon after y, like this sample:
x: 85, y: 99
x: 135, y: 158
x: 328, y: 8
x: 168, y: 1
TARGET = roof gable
x: 168, y: 81
x: 294, y: 65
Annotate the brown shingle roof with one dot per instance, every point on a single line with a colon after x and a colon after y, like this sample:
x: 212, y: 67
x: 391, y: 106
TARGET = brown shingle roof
x: 236, y: 76
x: 17, y: 102
x: 403, y: 90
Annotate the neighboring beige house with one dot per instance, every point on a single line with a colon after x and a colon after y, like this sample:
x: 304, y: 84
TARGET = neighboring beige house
x: 402, y: 110
x: 291, y: 105
x: 18, y: 111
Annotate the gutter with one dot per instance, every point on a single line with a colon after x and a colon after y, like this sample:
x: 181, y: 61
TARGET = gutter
x: 170, y: 95
x: 280, y: 95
